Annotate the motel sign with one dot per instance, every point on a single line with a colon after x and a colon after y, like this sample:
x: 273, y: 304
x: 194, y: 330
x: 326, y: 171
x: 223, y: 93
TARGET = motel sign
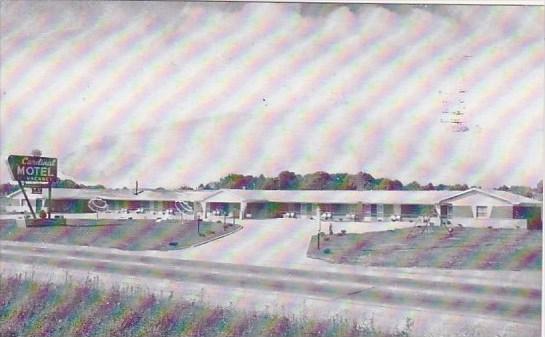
x: 29, y: 168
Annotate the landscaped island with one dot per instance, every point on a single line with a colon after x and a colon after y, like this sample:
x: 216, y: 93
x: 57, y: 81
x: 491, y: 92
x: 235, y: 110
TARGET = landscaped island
x: 434, y: 247
x: 130, y: 235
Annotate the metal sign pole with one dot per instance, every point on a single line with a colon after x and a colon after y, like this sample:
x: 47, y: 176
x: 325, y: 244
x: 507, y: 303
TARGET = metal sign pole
x: 26, y: 198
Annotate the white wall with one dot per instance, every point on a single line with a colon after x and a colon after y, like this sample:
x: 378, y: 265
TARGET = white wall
x: 494, y: 223
x: 465, y: 205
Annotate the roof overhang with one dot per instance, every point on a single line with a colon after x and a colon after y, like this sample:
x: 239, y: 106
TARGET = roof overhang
x: 445, y: 201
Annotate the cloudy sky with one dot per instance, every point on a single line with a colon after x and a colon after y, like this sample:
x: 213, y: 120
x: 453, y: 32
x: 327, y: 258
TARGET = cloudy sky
x: 183, y: 93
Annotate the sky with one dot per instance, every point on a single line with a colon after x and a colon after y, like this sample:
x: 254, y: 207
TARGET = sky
x: 172, y: 93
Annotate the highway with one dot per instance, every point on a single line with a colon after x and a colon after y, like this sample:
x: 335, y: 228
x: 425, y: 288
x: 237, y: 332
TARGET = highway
x: 517, y: 304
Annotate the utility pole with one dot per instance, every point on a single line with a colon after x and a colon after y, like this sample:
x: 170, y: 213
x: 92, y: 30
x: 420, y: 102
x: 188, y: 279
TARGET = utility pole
x: 136, y: 191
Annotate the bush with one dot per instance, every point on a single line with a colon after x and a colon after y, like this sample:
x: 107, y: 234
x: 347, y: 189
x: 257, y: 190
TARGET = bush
x: 327, y: 251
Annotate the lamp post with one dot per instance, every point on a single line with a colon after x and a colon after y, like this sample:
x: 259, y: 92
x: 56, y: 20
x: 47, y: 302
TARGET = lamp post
x: 319, y: 225
x: 199, y: 225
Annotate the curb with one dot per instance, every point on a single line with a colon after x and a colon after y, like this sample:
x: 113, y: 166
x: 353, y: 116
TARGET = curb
x: 216, y: 238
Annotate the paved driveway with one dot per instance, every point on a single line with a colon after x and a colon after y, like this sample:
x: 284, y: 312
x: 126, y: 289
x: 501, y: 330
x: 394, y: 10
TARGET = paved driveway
x: 273, y: 242
x: 284, y: 243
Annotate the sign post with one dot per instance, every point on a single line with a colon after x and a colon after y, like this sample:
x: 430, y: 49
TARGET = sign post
x: 33, y: 169
x: 49, y: 198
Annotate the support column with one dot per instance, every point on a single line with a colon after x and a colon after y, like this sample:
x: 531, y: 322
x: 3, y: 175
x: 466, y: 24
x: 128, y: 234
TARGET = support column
x: 242, y: 212
x: 397, y: 209
x: 359, y: 211
x: 204, y: 206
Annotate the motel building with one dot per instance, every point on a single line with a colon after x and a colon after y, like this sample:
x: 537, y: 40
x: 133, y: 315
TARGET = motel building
x: 471, y: 208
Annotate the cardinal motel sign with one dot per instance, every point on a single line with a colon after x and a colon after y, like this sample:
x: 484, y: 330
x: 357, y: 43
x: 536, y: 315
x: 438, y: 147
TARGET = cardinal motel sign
x: 36, y: 169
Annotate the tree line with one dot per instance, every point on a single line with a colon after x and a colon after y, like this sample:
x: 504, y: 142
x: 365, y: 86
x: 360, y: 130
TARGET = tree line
x: 8, y: 188
x: 321, y: 180
x: 360, y: 181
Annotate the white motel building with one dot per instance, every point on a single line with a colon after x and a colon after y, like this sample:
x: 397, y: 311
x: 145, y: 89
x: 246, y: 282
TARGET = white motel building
x: 473, y: 207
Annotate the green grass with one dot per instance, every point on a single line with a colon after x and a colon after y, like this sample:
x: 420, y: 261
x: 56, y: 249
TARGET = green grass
x: 131, y: 235
x: 33, y: 309
x: 467, y: 248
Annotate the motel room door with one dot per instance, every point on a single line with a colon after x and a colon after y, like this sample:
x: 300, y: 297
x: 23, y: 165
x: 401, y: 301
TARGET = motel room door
x: 380, y: 212
x: 446, y: 212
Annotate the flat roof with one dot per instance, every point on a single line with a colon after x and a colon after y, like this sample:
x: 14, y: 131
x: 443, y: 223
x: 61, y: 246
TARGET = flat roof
x: 330, y: 196
x: 285, y: 196
x: 116, y: 194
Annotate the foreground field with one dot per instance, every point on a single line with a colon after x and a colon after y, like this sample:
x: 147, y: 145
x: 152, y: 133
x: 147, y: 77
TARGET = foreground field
x: 28, y: 308
x: 462, y: 248
x: 132, y: 235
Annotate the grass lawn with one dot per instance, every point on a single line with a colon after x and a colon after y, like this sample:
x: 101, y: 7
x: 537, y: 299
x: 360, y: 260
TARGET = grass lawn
x: 32, y: 309
x: 130, y: 235
x: 463, y: 248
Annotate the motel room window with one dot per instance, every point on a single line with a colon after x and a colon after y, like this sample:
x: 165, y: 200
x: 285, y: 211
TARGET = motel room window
x: 482, y: 211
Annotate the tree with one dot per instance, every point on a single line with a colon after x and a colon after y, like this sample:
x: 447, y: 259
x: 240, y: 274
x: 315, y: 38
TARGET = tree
x: 458, y: 187
x: 343, y: 181
x: 287, y: 181
x: 361, y: 181
x: 522, y: 190
x: 413, y: 186
x: 270, y: 184
x: 388, y: 184
x: 428, y: 187
x: 65, y: 183
x: 315, y: 181
x: 233, y: 180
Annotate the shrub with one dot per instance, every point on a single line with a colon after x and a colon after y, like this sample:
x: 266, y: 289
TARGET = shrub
x: 327, y: 251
